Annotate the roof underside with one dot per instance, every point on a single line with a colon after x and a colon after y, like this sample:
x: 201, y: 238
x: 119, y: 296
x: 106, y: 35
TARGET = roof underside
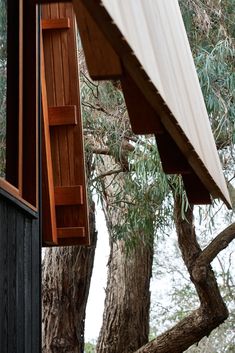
x: 151, y: 42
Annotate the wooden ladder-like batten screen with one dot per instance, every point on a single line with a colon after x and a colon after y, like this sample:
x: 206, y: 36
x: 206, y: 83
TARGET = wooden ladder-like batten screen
x: 65, y: 216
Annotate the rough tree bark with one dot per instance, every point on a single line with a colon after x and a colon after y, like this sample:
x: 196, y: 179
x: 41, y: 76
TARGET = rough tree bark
x: 66, y: 278
x: 126, y: 315
x: 212, y: 311
x: 125, y: 325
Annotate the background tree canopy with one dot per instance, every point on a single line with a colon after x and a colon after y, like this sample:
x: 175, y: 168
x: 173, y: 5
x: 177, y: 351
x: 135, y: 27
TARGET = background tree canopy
x: 141, y: 206
x: 210, y: 26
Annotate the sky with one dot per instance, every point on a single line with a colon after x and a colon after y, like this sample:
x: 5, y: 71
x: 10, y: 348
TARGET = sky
x: 159, y: 286
x: 95, y: 305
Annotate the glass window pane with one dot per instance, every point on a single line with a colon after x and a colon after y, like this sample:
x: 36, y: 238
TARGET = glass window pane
x: 3, y: 84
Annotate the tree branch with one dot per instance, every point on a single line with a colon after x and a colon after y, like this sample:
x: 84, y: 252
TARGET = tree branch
x: 110, y: 172
x: 124, y: 147
x: 105, y: 151
x: 99, y: 109
x: 218, y: 244
x: 95, y: 107
x: 212, y: 311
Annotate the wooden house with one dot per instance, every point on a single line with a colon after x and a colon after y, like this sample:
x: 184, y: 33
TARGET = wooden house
x: 43, y: 190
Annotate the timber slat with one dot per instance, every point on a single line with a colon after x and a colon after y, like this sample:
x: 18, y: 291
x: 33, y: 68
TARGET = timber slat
x: 102, y: 61
x: 55, y: 23
x: 48, y: 199
x: 71, y: 232
x: 68, y: 195
x: 173, y: 160
x: 143, y: 117
x: 196, y: 192
x: 63, y: 115
x: 150, y: 39
x: 66, y: 136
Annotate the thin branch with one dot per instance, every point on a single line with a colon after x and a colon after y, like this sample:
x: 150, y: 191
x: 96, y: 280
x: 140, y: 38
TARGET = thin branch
x: 87, y: 78
x: 120, y: 203
x: 218, y: 244
x: 99, y: 109
x: 212, y: 311
x: 105, y: 151
x: 95, y: 107
x: 137, y: 140
x: 132, y: 138
x: 125, y: 147
x: 110, y: 172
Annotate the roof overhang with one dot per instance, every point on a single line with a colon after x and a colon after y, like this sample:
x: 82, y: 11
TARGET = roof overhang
x: 150, y: 40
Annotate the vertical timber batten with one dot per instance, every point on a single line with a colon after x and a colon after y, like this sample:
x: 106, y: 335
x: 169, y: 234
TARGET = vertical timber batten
x: 20, y: 241
x: 20, y: 324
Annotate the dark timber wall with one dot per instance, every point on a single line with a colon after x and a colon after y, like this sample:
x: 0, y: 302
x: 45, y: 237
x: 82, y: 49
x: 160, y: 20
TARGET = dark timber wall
x: 20, y: 305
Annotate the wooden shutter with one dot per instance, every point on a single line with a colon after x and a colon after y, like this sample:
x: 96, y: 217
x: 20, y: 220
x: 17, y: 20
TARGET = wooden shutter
x: 65, y: 211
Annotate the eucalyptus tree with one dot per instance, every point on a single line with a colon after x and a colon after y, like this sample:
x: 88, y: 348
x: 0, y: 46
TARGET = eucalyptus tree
x: 66, y: 274
x: 179, y: 298
x: 125, y: 172
x: 131, y: 199
x: 210, y: 25
x: 211, y: 28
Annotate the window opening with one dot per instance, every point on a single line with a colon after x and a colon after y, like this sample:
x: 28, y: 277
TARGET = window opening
x: 19, y: 99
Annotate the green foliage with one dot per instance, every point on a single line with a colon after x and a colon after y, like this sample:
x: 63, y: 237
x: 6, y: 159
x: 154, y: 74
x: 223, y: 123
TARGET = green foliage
x: 176, y: 297
x: 210, y: 25
x: 90, y: 347
x: 140, y: 203
x: 140, y: 199
x: 216, y: 69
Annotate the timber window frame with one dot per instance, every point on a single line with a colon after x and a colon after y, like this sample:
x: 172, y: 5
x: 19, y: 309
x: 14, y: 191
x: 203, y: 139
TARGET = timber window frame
x: 21, y: 179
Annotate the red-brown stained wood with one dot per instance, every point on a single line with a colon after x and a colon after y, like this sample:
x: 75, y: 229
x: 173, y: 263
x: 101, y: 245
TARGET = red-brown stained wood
x: 101, y: 59
x: 68, y: 195
x: 196, y: 192
x: 173, y: 160
x: 72, y: 232
x: 64, y: 115
x: 62, y: 80
x: 59, y: 23
x: 48, y: 199
x: 153, y: 75
x: 143, y: 118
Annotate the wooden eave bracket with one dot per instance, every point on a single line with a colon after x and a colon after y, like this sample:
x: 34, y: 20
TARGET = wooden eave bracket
x: 102, y: 61
x: 92, y: 15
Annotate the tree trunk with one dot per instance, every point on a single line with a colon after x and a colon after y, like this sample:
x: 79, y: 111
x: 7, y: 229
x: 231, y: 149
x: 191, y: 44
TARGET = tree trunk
x: 125, y: 325
x: 66, y: 278
x: 126, y: 315
x: 212, y: 311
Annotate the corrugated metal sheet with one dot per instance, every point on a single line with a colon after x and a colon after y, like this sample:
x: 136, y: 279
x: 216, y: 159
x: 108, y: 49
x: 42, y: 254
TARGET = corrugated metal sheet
x: 153, y: 33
